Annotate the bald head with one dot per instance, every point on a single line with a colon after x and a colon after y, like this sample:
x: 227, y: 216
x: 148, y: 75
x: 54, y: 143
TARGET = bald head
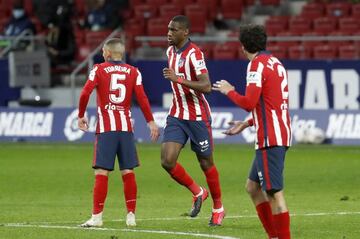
x: 113, y: 49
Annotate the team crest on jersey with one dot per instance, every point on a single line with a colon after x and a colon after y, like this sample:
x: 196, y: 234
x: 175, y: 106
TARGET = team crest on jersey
x: 181, y: 62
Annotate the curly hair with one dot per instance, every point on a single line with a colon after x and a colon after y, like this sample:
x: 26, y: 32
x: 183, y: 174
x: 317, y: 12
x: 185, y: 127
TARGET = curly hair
x: 253, y: 38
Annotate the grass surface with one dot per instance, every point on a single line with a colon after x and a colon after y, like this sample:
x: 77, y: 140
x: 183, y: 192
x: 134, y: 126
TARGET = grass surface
x: 46, y: 191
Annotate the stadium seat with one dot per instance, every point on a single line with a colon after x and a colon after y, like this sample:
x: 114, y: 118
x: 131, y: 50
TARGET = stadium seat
x: 134, y: 3
x: 156, y: 2
x: 231, y: 9
x: 207, y: 49
x: 270, y: 2
x: 168, y: 11
x: 325, y: 25
x: 276, y: 24
x: 224, y: 52
x: 348, y: 52
x: 145, y: 11
x: 79, y: 36
x: 288, y: 43
x: 93, y: 39
x: 349, y: 25
x: 277, y: 51
x: 308, y: 43
x: 28, y: 6
x: 248, y: 3
x: 157, y: 27
x: 82, y: 52
x: 135, y: 27
x: 313, y: 10
x: 182, y: 3
x: 211, y: 6
x: 300, y: 24
x: 325, y: 52
x: 338, y: 9
x: 355, y: 10
x: 299, y: 52
x: 336, y: 43
x: 198, y: 18
x: 80, y: 7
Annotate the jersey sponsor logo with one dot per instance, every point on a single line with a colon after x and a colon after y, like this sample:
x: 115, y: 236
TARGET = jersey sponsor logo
x: 26, y: 124
x: 114, y: 107
x: 71, y: 129
x: 253, y: 77
x: 93, y: 73
x: 200, y: 64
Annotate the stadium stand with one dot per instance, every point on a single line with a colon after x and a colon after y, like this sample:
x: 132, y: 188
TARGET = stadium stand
x: 338, y: 21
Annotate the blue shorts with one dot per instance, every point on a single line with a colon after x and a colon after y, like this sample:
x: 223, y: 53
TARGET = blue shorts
x: 268, y: 167
x: 108, y: 145
x: 199, y: 132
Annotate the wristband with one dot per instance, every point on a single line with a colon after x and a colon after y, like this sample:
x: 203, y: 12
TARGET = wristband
x: 179, y: 80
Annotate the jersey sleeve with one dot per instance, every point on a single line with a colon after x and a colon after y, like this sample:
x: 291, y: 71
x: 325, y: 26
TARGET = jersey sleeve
x: 253, y: 88
x: 86, y: 91
x: 198, y: 62
x: 142, y: 98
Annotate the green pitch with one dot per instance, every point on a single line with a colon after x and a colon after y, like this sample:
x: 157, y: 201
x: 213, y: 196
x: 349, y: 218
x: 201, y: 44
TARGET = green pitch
x: 46, y: 191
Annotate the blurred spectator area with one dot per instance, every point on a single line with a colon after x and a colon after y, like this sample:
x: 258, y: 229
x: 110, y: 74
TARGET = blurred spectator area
x: 41, y: 13
x: 308, y: 20
x: 324, y: 29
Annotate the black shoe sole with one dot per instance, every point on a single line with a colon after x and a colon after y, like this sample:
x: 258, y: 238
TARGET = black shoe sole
x: 197, y: 207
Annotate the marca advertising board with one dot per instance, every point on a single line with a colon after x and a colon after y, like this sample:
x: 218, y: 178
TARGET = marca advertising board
x: 60, y: 124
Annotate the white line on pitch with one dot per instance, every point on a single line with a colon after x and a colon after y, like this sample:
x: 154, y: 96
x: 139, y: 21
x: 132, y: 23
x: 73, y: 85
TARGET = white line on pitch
x: 122, y: 230
x: 202, y: 218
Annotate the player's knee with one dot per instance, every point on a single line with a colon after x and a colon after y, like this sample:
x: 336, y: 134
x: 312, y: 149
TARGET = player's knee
x: 167, y: 163
x: 206, y: 164
x: 251, y: 189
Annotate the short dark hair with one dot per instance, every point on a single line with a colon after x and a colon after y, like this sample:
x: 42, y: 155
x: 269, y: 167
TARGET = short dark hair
x: 253, y: 38
x: 183, y: 20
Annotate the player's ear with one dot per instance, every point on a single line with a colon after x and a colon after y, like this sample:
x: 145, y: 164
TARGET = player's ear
x: 186, y: 31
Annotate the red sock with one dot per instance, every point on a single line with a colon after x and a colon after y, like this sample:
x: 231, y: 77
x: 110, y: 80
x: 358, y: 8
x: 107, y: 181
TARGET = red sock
x: 130, y: 191
x: 282, y: 225
x: 266, y: 218
x: 179, y: 174
x: 212, y: 179
x: 100, y: 192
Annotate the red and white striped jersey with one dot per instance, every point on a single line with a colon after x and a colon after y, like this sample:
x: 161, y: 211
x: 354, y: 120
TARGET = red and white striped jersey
x: 271, y: 115
x: 188, y: 62
x: 115, y: 83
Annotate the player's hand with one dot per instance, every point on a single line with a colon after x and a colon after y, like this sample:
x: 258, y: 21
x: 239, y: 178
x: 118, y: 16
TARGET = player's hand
x: 83, y: 124
x: 169, y: 74
x: 236, y: 127
x: 154, y: 131
x: 223, y: 86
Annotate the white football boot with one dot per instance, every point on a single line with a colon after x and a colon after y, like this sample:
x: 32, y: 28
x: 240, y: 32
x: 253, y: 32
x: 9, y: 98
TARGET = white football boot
x: 94, y: 221
x: 130, y: 219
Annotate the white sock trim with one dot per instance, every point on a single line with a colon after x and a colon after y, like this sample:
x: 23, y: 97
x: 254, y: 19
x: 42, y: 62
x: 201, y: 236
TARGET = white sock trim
x: 218, y: 209
x: 200, y: 193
